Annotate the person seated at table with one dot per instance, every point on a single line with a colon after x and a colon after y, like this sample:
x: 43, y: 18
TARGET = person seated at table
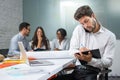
x: 24, y: 30
x: 1, y: 57
x: 39, y: 40
x: 88, y: 36
x: 61, y: 43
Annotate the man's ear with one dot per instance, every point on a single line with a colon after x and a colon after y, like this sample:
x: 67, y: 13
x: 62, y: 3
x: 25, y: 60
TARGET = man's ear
x: 93, y: 15
x: 24, y: 29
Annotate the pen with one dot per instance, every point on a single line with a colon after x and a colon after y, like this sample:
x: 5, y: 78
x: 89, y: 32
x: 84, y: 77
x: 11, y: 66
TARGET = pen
x: 81, y: 45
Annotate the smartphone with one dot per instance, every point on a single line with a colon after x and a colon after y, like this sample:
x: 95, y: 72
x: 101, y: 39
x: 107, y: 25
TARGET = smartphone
x: 78, y: 53
x: 85, y: 52
x: 95, y: 53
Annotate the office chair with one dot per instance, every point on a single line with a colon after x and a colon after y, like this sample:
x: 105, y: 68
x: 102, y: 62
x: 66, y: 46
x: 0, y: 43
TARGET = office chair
x: 4, y: 52
x: 102, y: 75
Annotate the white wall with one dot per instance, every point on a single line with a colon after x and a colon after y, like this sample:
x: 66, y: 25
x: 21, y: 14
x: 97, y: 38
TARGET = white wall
x: 11, y: 15
x: 116, y: 63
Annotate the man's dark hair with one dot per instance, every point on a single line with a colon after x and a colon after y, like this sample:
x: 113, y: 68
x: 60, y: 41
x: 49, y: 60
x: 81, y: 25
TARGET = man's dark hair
x: 62, y: 31
x: 23, y: 25
x: 83, y: 11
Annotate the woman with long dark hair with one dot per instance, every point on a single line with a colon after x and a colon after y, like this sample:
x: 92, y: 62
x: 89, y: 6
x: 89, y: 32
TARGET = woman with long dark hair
x: 39, y: 40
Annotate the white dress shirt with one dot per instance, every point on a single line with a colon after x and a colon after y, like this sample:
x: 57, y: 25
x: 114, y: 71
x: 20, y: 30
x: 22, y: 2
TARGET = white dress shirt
x: 104, y: 40
x: 63, y: 46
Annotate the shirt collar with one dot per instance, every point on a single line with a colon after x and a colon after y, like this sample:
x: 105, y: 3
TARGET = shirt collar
x: 61, y: 41
x: 101, y: 29
x: 21, y: 36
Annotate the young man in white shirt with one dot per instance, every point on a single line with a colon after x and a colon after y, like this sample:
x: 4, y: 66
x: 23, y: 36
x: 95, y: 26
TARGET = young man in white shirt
x: 90, y: 34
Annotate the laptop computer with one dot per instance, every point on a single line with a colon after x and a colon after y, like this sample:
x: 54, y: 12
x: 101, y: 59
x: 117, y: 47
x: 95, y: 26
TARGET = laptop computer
x: 23, y: 57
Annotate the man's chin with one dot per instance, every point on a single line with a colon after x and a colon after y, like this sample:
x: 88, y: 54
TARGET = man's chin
x: 27, y: 35
x: 87, y: 31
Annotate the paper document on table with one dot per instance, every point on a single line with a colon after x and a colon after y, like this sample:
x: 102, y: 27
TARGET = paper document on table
x: 23, y: 69
x: 49, y: 54
x: 40, y: 63
x: 25, y: 72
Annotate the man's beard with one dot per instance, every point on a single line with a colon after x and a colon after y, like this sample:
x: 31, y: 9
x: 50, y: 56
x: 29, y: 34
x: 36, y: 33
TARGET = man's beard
x: 27, y: 34
x: 94, y: 26
x: 86, y: 30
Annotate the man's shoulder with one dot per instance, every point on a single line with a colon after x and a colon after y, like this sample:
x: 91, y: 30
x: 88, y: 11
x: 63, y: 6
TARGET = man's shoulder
x: 109, y: 33
x: 15, y: 37
x: 78, y: 29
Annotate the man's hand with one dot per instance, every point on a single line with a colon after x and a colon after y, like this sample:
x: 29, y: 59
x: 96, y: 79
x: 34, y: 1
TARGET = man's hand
x: 1, y: 57
x: 56, y: 49
x: 82, y: 56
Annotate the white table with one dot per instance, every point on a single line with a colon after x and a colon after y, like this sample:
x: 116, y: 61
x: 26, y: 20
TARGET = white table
x: 34, y: 73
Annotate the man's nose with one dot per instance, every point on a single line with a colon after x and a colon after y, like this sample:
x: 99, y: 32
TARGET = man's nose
x: 85, y: 25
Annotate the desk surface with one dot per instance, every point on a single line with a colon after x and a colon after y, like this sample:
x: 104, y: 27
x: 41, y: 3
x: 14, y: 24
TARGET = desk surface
x: 26, y: 72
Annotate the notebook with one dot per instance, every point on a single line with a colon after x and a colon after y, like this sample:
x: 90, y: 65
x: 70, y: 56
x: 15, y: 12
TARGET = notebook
x: 95, y: 54
x: 32, y: 62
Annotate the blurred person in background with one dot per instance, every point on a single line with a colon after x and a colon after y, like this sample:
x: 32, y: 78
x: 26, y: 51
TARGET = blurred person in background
x: 39, y: 41
x: 61, y: 43
x: 24, y: 30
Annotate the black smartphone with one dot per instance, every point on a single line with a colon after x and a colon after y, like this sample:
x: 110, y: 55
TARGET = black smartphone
x: 95, y: 53
x: 85, y: 52
x: 78, y: 53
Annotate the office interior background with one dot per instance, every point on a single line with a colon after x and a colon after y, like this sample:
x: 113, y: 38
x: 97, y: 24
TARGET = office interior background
x: 54, y: 14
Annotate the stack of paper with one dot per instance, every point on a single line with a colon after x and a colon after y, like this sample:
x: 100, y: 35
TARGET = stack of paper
x: 49, y: 55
